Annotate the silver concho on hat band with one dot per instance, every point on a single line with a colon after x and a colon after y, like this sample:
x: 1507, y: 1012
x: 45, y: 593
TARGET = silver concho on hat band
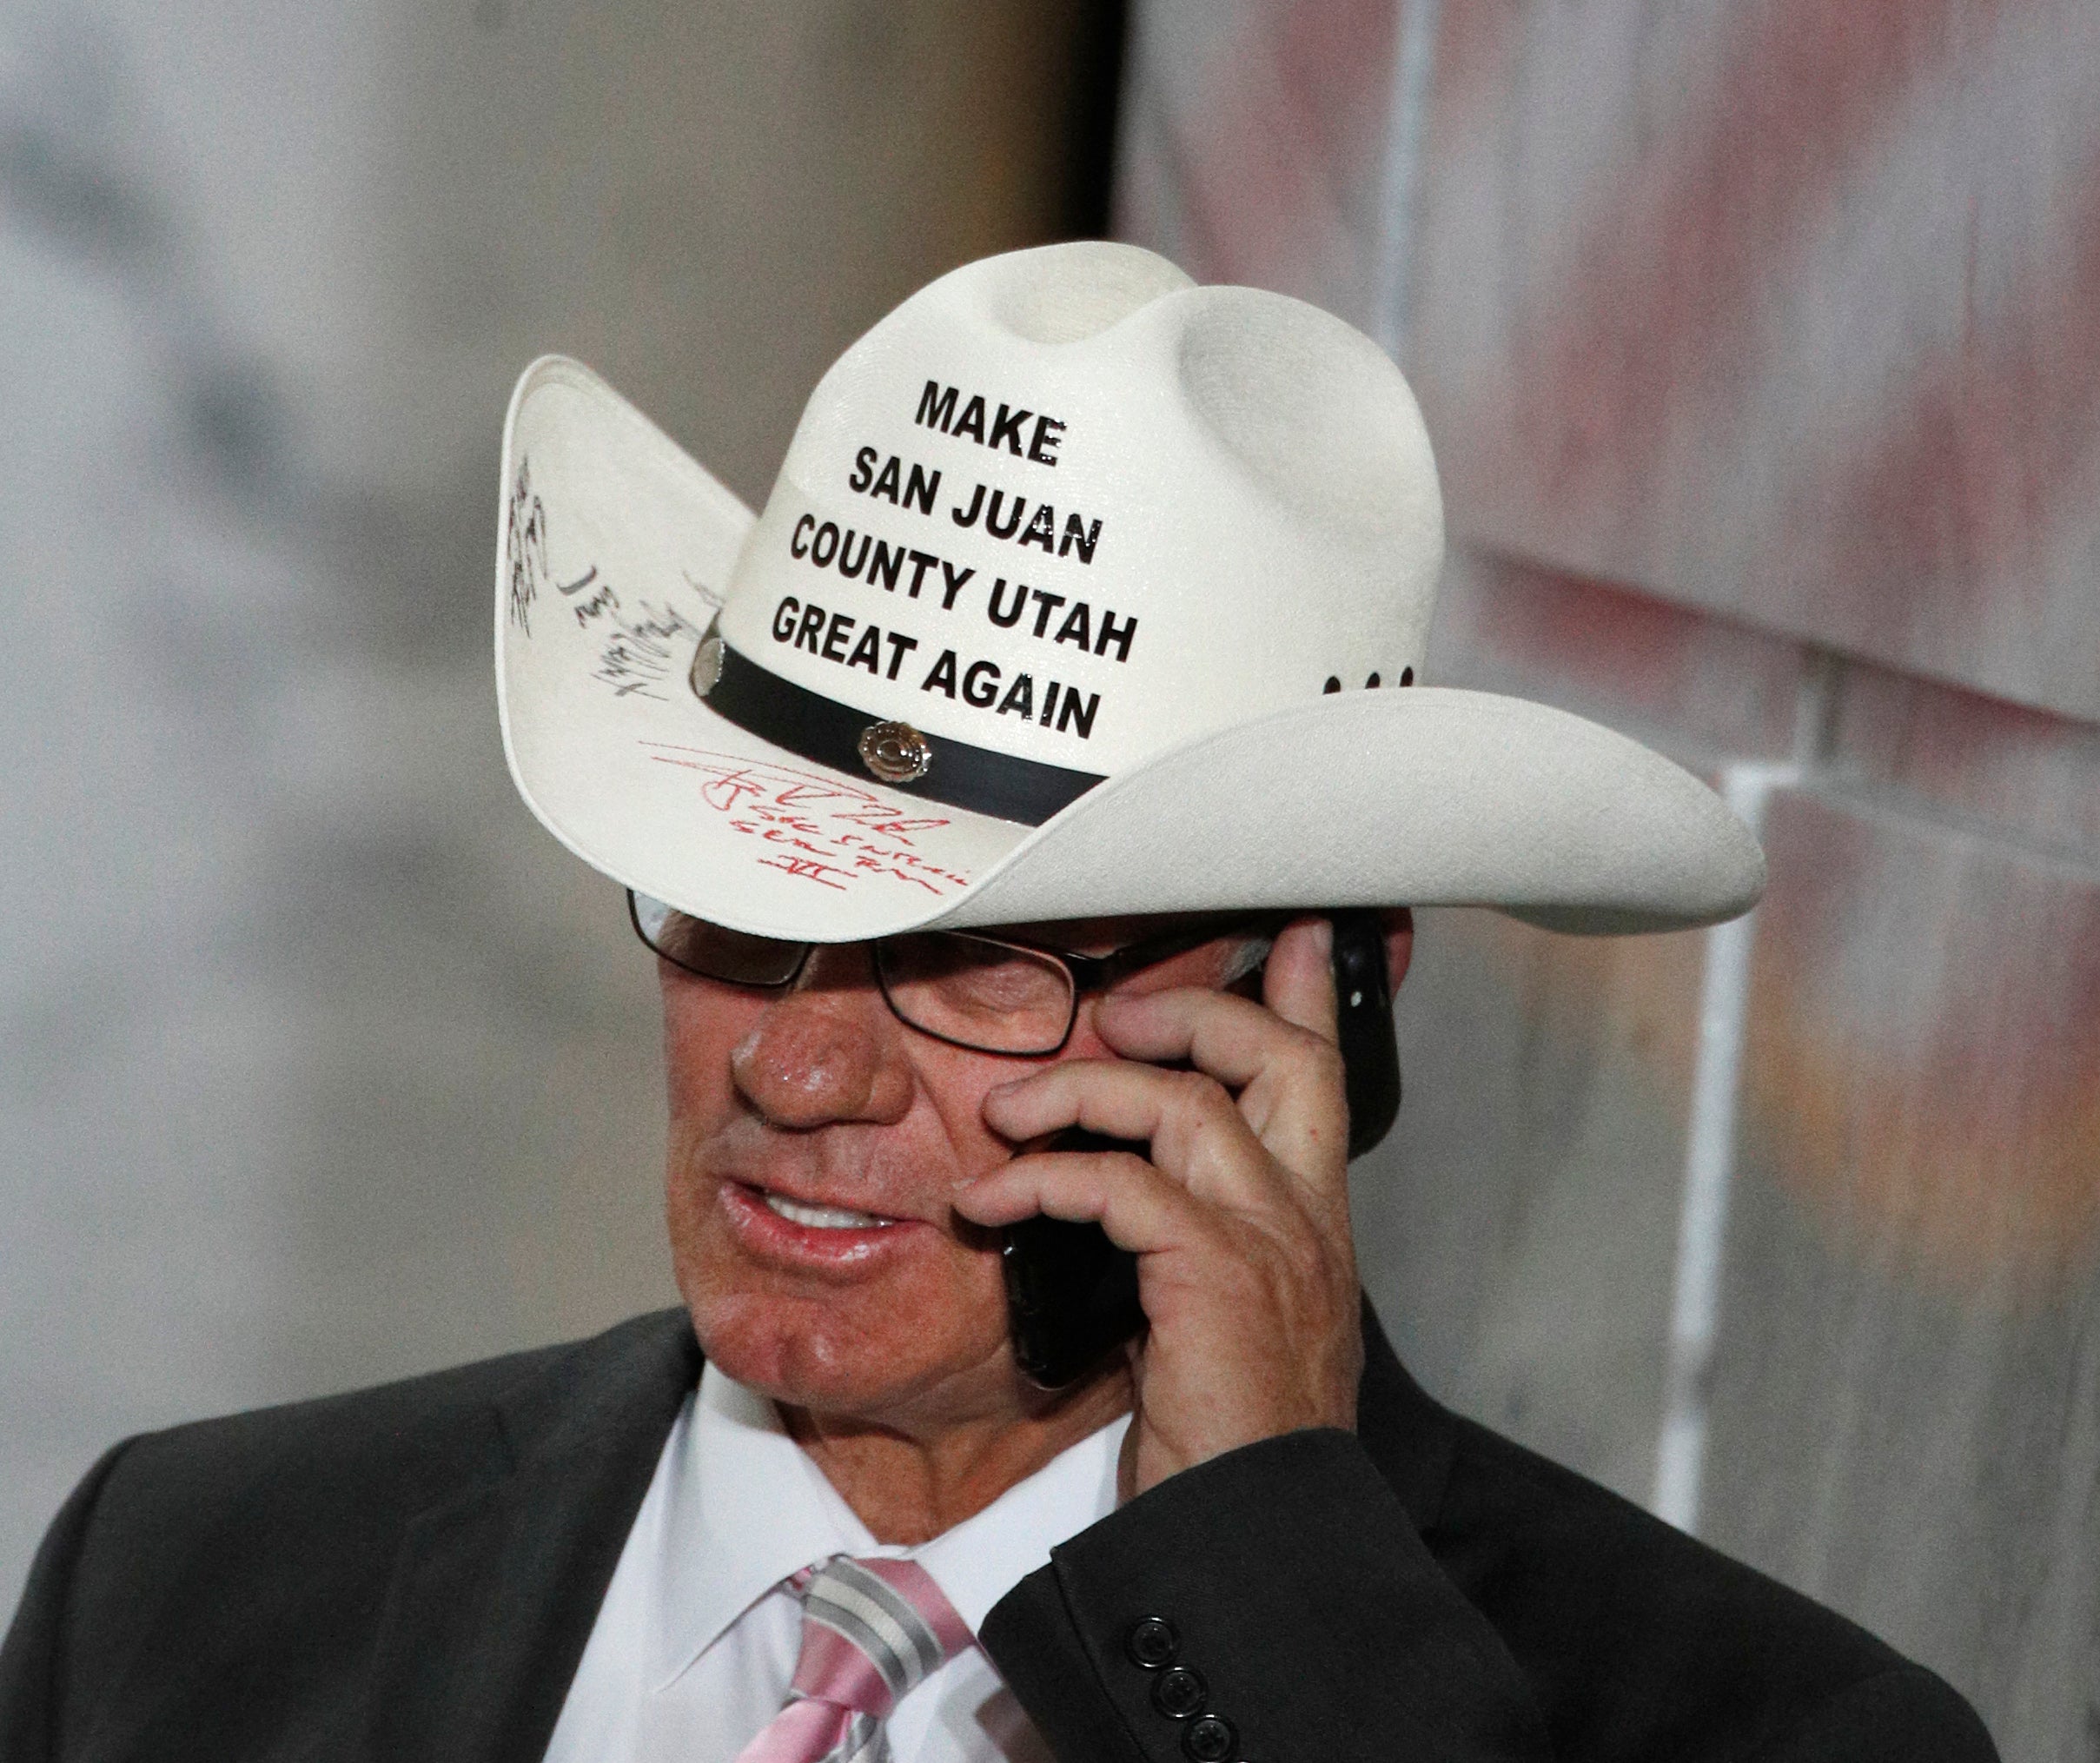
x: 895, y: 752
x: 707, y: 664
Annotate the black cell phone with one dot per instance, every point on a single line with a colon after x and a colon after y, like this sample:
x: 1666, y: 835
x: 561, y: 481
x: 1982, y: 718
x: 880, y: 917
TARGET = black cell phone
x: 1071, y: 1295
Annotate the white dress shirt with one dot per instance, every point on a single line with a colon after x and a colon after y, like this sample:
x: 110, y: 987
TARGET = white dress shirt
x: 697, y: 1639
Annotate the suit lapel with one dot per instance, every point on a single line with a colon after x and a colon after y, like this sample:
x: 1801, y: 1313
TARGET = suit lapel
x: 494, y: 1592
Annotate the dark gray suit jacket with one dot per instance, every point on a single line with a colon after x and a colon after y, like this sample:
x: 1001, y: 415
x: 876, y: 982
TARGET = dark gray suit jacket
x: 410, y: 1572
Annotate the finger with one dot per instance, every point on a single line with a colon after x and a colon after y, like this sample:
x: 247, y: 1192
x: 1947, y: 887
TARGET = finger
x: 1234, y: 1039
x: 1290, y: 1081
x: 1195, y: 1132
x: 1140, y: 1209
x: 1298, y: 985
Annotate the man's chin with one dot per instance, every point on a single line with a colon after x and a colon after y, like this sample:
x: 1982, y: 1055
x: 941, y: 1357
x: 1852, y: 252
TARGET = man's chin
x: 818, y: 1354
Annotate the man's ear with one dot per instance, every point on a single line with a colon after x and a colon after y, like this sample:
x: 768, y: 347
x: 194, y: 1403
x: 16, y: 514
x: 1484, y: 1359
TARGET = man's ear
x: 1400, y: 944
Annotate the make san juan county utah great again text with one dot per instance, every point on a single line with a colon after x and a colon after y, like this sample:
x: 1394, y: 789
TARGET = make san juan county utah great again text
x: 1057, y: 619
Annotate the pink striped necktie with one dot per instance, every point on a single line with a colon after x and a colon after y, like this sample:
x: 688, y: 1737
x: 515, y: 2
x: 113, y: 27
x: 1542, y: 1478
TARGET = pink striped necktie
x: 870, y: 1630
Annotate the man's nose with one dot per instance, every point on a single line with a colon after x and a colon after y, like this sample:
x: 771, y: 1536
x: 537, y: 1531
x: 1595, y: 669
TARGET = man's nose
x: 829, y: 1050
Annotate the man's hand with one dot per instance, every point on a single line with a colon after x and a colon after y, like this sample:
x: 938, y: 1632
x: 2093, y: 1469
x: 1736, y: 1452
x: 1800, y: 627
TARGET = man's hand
x: 1240, y: 1220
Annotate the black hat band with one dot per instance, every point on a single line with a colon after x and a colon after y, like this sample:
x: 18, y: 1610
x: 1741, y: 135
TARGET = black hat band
x: 830, y: 733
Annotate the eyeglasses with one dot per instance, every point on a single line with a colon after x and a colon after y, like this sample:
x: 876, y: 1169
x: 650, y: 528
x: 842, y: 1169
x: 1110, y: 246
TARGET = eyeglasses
x: 985, y: 993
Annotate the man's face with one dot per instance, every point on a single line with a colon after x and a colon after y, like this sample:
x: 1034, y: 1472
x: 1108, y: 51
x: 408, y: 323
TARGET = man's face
x: 819, y: 1101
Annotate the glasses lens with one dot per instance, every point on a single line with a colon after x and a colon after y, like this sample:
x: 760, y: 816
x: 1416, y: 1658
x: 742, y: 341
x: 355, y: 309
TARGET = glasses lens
x: 700, y: 947
x: 993, y: 995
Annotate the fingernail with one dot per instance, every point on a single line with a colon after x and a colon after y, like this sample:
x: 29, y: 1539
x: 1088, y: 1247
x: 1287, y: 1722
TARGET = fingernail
x: 1324, y: 938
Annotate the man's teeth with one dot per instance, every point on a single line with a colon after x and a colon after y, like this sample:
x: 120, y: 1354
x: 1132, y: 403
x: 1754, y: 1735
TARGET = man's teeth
x: 824, y: 1217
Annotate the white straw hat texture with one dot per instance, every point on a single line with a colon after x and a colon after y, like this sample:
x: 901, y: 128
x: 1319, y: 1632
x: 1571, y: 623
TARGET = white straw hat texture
x: 1082, y: 590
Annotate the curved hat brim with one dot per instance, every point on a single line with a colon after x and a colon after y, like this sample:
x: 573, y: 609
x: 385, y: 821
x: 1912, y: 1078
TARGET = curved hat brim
x: 1424, y: 795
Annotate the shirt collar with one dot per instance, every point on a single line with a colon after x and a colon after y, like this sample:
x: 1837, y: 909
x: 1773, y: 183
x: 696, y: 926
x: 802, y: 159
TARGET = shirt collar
x: 747, y: 1508
x: 986, y: 1556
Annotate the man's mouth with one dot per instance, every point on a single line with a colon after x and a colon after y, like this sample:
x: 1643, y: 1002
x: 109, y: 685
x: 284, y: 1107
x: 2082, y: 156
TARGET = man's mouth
x: 824, y: 1217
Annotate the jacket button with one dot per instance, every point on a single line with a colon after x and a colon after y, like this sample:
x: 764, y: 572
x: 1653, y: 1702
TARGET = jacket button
x: 1152, y: 1642
x: 1209, y: 1738
x: 1178, y: 1691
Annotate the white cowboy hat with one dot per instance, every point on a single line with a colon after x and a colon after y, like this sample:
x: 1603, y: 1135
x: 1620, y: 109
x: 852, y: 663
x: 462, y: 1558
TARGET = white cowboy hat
x: 1082, y: 590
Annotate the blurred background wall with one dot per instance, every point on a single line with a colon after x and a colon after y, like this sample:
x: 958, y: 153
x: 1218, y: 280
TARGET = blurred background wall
x: 1757, y: 344
x: 319, y: 1062
x: 1760, y: 344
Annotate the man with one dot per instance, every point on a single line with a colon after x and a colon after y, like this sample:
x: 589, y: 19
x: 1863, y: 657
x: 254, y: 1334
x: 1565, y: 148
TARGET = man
x: 1071, y: 664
